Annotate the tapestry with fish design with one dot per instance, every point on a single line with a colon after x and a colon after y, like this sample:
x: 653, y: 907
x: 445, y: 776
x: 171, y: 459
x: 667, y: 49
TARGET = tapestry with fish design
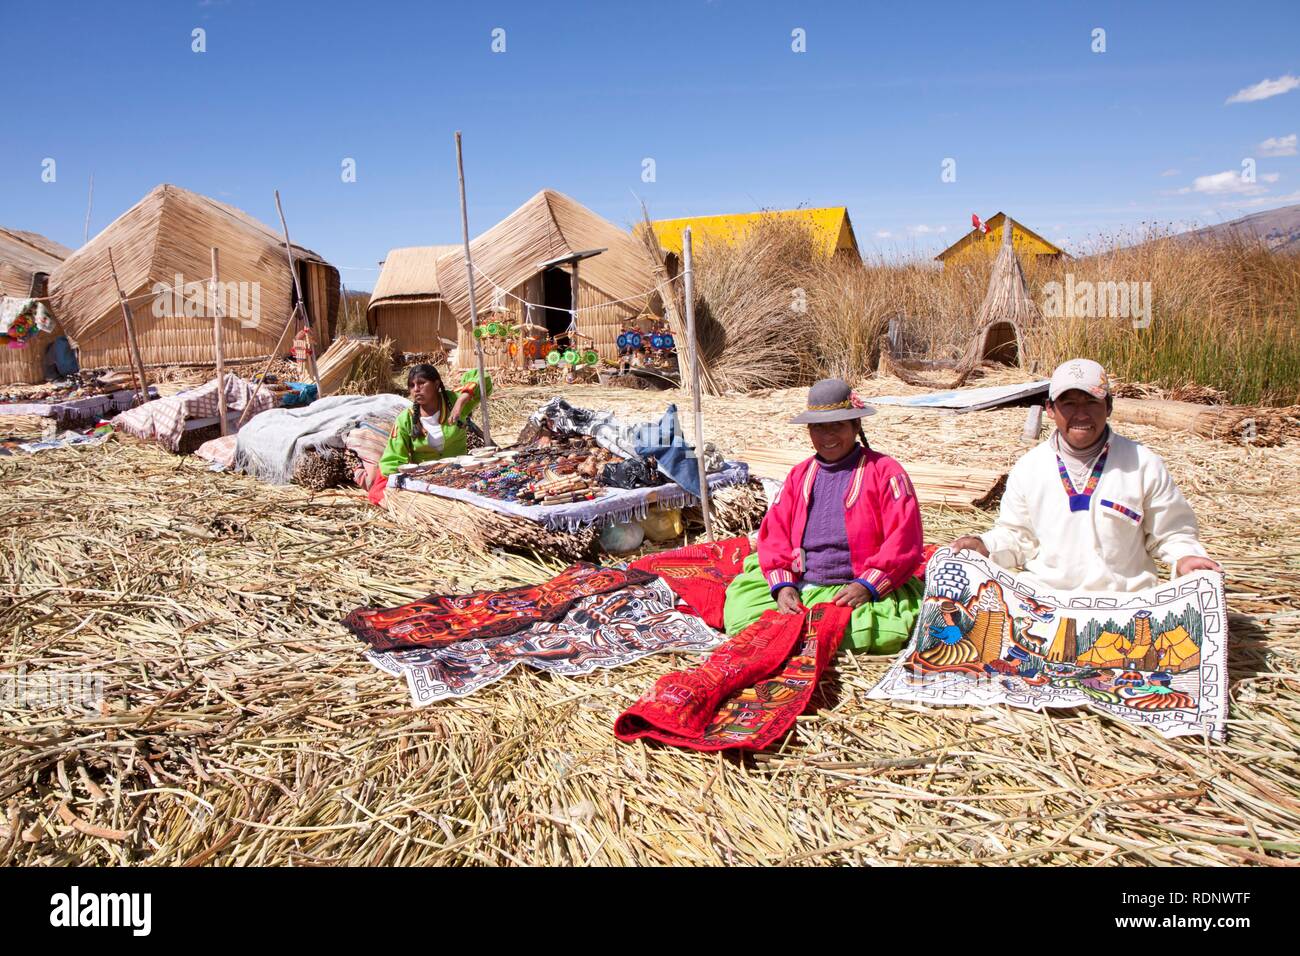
x: 984, y: 635
x: 601, y: 631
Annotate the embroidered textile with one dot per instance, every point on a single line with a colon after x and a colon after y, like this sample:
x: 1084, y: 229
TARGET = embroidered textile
x: 601, y: 631
x: 699, y: 574
x: 445, y: 619
x: 748, y: 692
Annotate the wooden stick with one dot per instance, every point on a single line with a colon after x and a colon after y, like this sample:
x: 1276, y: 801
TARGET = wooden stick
x: 218, y: 350
x: 302, y: 307
x: 130, y: 331
x: 90, y: 202
x: 695, y: 381
x: 473, y: 307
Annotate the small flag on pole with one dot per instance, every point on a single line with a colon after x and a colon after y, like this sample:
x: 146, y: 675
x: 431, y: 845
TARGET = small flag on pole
x: 977, y: 223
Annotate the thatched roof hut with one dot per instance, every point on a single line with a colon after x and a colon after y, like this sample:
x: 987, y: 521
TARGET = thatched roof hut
x: 406, y: 305
x: 26, y: 260
x: 170, y: 233
x: 509, y: 266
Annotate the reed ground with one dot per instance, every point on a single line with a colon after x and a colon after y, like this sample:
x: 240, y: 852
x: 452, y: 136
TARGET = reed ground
x: 241, y: 724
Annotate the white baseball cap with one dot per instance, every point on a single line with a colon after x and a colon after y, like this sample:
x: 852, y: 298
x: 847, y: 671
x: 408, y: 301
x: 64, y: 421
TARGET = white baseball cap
x: 1083, y: 374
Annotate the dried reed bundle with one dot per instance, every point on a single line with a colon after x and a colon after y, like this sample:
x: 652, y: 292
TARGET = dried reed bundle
x: 356, y: 367
x: 240, y: 724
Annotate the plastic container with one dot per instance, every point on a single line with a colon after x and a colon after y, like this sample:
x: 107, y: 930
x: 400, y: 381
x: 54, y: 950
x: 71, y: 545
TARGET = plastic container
x: 663, y: 524
x: 621, y: 538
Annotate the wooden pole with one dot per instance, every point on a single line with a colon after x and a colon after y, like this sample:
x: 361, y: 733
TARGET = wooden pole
x: 130, y: 331
x: 302, y: 309
x: 90, y: 202
x: 215, y: 290
x: 573, y: 303
x: 689, y: 277
x: 473, y: 306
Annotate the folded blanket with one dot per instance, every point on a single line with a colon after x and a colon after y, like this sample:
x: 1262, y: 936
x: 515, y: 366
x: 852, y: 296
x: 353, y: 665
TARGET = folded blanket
x: 164, y: 419
x: 367, y: 441
x: 269, y: 446
x: 748, y: 692
x: 699, y: 574
x: 444, y: 619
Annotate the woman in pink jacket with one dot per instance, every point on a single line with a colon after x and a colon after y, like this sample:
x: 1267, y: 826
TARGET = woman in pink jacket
x: 845, y: 527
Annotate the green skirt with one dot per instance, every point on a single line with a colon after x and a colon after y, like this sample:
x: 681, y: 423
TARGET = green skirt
x: 878, y: 627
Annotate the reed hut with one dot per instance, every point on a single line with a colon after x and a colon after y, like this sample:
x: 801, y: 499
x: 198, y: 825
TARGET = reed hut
x: 1007, y: 311
x: 406, y: 305
x: 510, y: 268
x: 26, y: 261
x: 162, y: 248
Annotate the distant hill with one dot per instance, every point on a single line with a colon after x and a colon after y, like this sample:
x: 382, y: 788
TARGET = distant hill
x: 1279, y: 228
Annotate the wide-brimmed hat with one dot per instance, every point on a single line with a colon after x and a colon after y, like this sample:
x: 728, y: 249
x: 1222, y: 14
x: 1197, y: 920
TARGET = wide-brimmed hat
x: 832, y: 400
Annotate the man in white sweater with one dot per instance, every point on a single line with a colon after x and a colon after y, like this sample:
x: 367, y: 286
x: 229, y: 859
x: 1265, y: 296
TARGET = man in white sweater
x: 1089, y: 510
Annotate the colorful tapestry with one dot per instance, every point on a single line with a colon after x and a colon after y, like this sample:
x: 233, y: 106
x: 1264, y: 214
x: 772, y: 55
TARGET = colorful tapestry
x: 601, y: 631
x: 438, y: 620
x: 985, y: 636
x: 699, y: 574
x: 748, y: 692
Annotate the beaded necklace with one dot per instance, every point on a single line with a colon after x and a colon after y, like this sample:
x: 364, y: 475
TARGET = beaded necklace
x: 1079, y: 500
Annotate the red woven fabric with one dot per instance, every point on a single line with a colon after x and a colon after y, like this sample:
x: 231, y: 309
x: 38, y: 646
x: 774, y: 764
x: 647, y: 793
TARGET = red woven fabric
x: 699, y: 574
x: 438, y: 620
x: 749, y: 691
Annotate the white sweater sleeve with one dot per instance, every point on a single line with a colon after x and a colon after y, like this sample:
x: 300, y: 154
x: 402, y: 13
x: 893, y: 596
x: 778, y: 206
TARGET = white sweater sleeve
x: 1011, y: 541
x: 1169, y: 523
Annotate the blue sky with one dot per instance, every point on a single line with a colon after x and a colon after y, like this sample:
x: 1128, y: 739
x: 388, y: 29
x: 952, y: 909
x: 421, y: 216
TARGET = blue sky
x: 1073, y: 143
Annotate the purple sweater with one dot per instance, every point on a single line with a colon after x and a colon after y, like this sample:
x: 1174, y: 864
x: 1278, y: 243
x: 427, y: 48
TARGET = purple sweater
x: 825, y: 539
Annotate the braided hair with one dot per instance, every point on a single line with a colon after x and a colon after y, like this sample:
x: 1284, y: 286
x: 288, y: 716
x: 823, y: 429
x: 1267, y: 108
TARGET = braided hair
x: 862, y: 436
x: 430, y: 374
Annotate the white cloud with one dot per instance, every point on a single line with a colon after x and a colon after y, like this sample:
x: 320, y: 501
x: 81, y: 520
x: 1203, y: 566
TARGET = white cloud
x: 1229, y: 181
x: 1269, y: 177
x: 1265, y: 89
x: 922, y: 229
x: 1171, y: 172
x: 1278, y: 146
x: 1265, y: 200
x: 884, y: 234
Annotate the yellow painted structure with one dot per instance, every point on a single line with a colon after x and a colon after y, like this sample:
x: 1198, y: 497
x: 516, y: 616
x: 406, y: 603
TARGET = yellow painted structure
x: 830, y: 227
x: 1025, y: 241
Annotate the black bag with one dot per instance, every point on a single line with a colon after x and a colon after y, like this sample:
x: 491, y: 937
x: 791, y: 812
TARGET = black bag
x: 633, y: 473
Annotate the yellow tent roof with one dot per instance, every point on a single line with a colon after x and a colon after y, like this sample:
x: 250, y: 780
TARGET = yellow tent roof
x: 995, y: 228
x: 830, y: 226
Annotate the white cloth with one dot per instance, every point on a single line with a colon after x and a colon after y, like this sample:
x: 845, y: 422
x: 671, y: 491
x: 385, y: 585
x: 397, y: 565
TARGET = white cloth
x: 432, y: 430
x: 1101, y: 549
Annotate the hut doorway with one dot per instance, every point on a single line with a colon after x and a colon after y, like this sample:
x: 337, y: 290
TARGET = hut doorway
x: 557, y: 296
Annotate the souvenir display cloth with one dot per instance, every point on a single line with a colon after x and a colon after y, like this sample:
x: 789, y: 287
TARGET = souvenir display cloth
x: 367, y: 441
x: 875, y: 627
x: 615, y: 506
x: 270, y: 445
x: 1156, y: 657
x: 526, y: 475
x: 699, y: 574
x: 85, y: 408
x: 748, y: 692
x: 438, y: 620
x: 22, y: 320
x: 601, y: 631
x: 164, y: 420
x: 66, y: 439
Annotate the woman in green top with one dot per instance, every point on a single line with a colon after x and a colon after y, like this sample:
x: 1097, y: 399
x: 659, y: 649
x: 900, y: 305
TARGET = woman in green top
x: 435, y: 426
